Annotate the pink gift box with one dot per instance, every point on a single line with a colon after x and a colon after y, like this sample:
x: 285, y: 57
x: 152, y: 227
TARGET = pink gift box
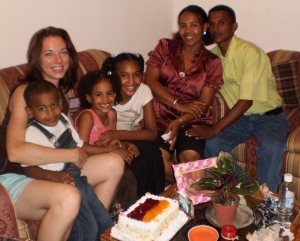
x: 185, y: 175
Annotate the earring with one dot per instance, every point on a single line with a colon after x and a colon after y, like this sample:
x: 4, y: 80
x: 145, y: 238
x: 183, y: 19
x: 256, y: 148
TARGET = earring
x: 204, y: 33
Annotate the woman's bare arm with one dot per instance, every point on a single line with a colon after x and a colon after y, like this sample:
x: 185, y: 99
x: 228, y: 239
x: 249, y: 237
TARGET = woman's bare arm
x: 165, y: 97
x: 207, y: 95
x: 27, y: 153
x: 158, y: 90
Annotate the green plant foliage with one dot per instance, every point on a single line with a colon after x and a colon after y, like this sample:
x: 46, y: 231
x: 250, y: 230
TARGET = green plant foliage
x: 224, y: 185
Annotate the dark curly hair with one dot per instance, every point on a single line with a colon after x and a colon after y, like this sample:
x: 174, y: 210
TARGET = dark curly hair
x: 111, y: 64
x: 34, y: 71
x: 202, y: 17
x: 37, y: 88
x: 88, y: 81
x: 225, y: 8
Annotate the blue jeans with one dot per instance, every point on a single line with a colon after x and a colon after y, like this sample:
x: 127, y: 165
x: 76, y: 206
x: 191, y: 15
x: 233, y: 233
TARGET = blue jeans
x: 270, y: 132
x: 93, y: 219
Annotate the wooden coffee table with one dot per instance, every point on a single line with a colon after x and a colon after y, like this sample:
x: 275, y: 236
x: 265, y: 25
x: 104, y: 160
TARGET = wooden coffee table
x: 200, y: 219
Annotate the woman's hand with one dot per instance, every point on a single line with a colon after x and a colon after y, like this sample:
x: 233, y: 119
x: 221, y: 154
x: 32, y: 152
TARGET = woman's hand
x: 81, y: 157
x: 193, y: 108
x: 174, y: 127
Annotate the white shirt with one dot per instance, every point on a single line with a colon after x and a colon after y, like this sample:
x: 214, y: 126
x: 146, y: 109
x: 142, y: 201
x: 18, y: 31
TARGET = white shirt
x: 34, y: 135
x: 131, y: 113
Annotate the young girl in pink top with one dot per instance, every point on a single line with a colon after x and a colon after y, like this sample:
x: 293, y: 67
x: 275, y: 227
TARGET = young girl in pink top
x: 97, y: 95
x: 136, y: 121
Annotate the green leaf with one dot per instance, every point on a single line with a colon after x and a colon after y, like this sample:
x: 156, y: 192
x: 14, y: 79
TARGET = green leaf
x: 251, y: 186
x: 225, y: 161
x: 242, y: 176
x: 205, y: 184
x: 239, y: 191
x: 216, y: 172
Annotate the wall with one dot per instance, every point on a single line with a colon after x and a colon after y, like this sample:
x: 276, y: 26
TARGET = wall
x: 111, y: 25
x: 270, y: 24
x: 137, y: 25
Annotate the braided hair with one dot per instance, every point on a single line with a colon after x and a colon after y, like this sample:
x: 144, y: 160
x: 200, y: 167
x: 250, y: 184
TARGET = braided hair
x: 111, y: 65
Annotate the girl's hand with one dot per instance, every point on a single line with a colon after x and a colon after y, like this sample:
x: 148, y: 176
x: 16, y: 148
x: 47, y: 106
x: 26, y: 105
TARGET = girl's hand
x: 133, y: 149
x: 112, y: 145
x: 174, y: 127
x: 105, y: 138
x: 125, y: 154
x: 193, y: 108
x: 61, y: 177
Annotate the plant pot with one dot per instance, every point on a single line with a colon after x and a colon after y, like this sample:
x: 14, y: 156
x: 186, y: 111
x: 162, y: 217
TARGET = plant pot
x: 226, y: 214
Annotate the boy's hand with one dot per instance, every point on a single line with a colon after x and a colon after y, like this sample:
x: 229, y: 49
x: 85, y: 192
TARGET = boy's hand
x: 133, y: 149
x: 61, y: 177
x: 125, y: 154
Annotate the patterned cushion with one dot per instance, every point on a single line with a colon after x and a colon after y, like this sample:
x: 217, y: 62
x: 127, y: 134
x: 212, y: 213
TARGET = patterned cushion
x: 10, y: 226
x: 287, y: 78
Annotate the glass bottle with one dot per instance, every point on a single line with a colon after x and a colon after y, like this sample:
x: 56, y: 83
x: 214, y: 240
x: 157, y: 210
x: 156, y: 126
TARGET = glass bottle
x: 286, y: 198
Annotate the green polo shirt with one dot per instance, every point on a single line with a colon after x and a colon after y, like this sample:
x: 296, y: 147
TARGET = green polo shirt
x: 248, y: 75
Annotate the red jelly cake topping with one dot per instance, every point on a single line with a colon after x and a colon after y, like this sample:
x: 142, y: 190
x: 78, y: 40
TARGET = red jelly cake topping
x: 148, y: 210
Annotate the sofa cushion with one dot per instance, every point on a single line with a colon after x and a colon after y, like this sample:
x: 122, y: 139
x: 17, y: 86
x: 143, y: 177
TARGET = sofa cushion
x: 287, y: 78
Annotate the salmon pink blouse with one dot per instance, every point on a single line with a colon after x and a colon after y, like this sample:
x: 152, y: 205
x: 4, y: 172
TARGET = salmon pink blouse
x: 185, y: 85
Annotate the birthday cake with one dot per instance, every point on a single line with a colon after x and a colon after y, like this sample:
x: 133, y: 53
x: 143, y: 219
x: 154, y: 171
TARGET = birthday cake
x: 150, y: 218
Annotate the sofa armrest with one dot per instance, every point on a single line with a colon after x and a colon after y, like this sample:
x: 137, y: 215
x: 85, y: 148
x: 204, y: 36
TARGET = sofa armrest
x: 219, y: 107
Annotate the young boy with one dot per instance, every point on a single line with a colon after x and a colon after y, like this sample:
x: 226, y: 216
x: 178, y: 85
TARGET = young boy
x: 52, y: 128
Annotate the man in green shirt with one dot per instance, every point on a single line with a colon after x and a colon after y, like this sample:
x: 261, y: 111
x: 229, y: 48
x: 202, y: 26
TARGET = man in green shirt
x: 250, y: 91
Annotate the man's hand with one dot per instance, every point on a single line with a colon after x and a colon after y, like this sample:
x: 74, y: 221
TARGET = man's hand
x: 201, y: 132
x: 61, y: 177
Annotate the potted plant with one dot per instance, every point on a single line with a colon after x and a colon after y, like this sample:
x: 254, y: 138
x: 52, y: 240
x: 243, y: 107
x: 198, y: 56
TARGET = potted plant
x: 225, y: 187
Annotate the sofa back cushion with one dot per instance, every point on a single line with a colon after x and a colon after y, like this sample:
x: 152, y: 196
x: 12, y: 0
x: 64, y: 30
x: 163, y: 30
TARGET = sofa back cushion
x: 286, y: 67
x: 287, y: 79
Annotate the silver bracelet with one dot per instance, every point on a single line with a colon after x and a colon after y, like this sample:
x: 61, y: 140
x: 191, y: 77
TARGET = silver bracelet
x: 181, y: 122
x: 175, y: 101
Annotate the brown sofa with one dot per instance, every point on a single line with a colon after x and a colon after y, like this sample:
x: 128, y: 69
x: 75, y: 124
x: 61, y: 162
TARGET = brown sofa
x: 10, y: 226
x: 286, y: 67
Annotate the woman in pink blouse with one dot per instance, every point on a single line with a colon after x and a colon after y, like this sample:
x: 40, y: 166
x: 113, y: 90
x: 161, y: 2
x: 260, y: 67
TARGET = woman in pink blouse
x: 184, y: 77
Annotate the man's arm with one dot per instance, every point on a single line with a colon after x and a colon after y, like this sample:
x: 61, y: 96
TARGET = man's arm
x: 208, y: 132
x: 233, y: 115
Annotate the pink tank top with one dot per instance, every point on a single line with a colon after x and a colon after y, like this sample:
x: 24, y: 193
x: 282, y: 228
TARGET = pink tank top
x: 98, y: 127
